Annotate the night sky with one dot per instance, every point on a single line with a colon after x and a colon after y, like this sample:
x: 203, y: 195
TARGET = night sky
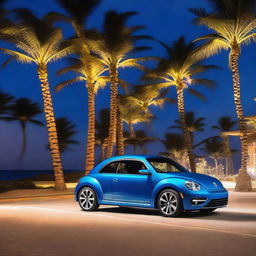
x: 166, y: 20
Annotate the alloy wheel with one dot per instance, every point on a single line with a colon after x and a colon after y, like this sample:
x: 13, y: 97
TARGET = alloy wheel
x: 87, y: 199
x: 168, y: 203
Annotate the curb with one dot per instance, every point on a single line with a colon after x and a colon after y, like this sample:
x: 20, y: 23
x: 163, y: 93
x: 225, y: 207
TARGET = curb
x: 35, y: 196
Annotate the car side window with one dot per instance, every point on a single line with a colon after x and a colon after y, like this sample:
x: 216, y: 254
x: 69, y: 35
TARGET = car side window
x: 164, y: 167
x: 110, y: 168
x: 130, y: 167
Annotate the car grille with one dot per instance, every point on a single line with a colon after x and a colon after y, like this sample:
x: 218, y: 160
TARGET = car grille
x: 217, y: 202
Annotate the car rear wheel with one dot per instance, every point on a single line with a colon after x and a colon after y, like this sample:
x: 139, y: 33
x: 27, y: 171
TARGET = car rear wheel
x: 87, y: 199
x: 170, y: 203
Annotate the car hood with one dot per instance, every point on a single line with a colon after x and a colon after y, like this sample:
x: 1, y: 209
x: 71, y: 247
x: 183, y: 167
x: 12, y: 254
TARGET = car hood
x: 208, y: 182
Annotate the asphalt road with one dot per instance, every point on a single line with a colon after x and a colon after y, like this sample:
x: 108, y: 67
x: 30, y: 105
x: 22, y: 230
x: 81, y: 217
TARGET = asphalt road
x: 56, y: 226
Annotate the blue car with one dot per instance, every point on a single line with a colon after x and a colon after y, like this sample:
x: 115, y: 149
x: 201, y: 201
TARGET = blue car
x: 150, y: 182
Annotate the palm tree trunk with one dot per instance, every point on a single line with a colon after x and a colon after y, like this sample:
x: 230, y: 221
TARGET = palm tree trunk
x: 90, y: 148
x: 24, y: 141
x: 90, y: 154
x: 103, y: 149
x: 243, y: 180
x: 119, y: 135
x: 113, y: 110
x: 216, y: 167
x: 102, y: 152
x: 186, y: 133
x: 229, y: 160
x: 231, y: 165
x: 132, y: 132
x: 51, y: 127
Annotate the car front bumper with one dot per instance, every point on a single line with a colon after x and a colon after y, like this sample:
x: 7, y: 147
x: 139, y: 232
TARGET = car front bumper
x: 204, y: 200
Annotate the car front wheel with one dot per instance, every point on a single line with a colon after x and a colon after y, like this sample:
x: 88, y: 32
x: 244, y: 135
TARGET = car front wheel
x: 87, y: 199
x: 170, y: 203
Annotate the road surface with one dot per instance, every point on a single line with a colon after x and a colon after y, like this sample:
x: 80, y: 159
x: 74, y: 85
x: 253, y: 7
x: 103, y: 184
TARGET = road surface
x: 56, y: 226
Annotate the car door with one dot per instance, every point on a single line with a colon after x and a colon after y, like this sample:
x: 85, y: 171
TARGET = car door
x: 105, y: 178
x: 129, y: 185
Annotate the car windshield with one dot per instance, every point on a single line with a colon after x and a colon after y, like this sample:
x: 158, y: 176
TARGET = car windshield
x: 166, y: 165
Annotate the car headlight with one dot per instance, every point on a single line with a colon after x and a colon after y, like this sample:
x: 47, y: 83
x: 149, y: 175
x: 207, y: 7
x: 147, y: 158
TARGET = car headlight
x: 192, y: 185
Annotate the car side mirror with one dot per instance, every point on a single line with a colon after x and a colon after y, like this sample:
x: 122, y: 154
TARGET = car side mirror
x: 144, y: 172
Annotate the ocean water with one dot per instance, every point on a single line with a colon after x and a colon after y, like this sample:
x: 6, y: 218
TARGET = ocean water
x: 22, y: 174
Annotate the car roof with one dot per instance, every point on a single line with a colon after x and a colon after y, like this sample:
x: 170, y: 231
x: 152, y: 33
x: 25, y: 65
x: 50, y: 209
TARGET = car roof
x: 124, y: 157
x: 133, y: 157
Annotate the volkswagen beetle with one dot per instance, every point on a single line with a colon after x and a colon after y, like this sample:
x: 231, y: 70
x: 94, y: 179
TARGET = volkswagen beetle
x: 150, y: 182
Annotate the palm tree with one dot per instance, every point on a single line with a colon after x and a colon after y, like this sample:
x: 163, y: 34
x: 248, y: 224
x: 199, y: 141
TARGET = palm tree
x: 24, y: 111
x: 180, y: 69
x: 143, y: 97
x: 119, y: 129
x: 102, y: 126
x: 140, y: 139
x: 95, y: 80
x: 5, y: 103
x: 36, y: 41
x: 225, y: 124
x: 113, y: 46
x: 78, y: 12
x: 233, y: 25
x: 66, y: 131
x: 215, y: 148
x: 193, y: 124
x: 146, y: 96
x: 132, y: 116
x: 175, y: 146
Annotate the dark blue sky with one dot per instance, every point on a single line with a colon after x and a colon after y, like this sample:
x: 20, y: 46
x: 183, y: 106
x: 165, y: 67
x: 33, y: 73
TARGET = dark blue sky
x: 166, y: 20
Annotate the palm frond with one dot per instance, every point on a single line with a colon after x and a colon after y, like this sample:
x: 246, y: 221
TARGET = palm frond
x: 18, y: 56
x: 210, y: 48
x: 196, y: 94
x: 68, y: 82
x: 8, y: 61
x: 206, y: 82
x: 72, y: 68
x: 199, y: 12
x: 52, y: 17
x: 194, y: 70
x: 125, y: 85
x: 79, y: 10
x: 36, y: 122
x: 65, y: 49
x: 137, y: 49
x: 101, y: 82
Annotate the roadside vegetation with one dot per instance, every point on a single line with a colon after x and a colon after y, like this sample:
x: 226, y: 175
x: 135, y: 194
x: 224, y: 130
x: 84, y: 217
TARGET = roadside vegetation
x: 9, y: 185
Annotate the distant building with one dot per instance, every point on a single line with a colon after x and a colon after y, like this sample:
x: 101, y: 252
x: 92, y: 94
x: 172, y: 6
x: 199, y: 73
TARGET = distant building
x: 251, y: 130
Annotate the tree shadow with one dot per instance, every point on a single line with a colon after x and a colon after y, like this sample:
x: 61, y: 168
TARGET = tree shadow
x: 221, y: 216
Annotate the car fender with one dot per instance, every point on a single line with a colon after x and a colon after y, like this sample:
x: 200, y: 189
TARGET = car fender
x: 174, y: 183
x: 92, y: 183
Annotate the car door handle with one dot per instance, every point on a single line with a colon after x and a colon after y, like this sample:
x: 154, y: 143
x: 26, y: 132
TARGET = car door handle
x: 115, y: 179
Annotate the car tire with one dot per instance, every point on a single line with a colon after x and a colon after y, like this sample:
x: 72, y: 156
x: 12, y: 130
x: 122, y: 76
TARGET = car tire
x: 208, y: 210
x: 169, y: 203
x: 87, y: 199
